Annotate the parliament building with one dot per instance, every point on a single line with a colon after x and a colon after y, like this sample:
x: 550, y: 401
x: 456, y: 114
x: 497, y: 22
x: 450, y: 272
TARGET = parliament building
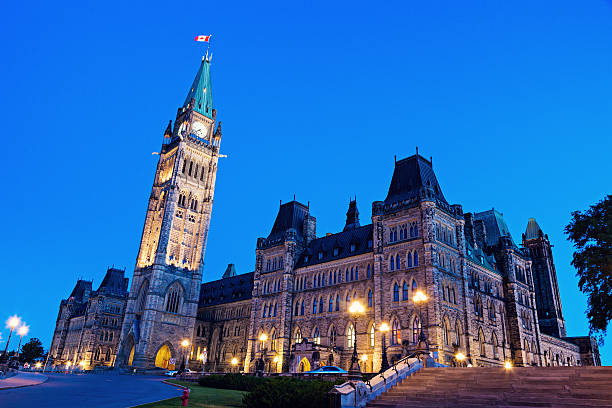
x: 489, y: 297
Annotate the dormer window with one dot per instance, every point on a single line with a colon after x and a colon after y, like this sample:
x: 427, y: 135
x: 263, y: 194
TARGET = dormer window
x: 306, y: 259
x: 370, y: 243
x: 320, y: 255
x: 336, y: 251
x: 352, y: 247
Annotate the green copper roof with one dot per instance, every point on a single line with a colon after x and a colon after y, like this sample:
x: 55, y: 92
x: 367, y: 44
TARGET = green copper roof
x: 533, y: 229
x: 201, y: 91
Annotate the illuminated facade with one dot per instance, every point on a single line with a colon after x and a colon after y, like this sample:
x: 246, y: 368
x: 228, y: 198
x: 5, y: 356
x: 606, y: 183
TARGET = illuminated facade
x: 163, y: 297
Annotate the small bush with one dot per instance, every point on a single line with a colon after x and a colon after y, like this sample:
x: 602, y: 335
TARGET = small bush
x: 289, y: 393
x: 231, y: 382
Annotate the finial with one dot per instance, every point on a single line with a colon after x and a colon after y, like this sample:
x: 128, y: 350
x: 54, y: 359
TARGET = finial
x: 281, y: 202
x: 431, y: 160
x: 308, y: 205
x: 395, y: 158
x: 294, y: 197
x: 417, y: 150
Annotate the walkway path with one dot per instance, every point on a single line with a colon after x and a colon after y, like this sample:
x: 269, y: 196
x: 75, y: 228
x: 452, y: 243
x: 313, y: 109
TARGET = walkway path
x: 89, y: 390
x: 22, y: 380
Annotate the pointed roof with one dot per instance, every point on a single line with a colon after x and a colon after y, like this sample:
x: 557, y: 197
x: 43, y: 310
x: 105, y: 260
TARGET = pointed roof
x: 201, y: 91
x: 229, y: 271
x: 290, y: 217
x: 412, y: 178
x: 352, y: 216
x: 495, y: 226
x: 114, y: 282
x: 533, y: 230
x: 81, y: 290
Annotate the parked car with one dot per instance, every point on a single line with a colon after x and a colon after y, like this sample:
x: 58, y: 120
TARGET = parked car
x: 171, y: 373
x: 327, y: 370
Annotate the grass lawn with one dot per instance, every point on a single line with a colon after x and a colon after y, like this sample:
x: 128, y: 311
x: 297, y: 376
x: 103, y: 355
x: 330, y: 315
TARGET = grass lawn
x: 202, y: 397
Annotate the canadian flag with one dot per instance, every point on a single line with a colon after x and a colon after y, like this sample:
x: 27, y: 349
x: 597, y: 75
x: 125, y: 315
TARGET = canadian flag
x: 203, y: 38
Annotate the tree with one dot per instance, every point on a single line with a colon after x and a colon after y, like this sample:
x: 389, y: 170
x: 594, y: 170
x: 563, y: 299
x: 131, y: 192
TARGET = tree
x: 32, y: 350
x: 591, y: 233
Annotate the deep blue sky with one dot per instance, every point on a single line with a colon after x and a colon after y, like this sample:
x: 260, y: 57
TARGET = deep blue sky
x: 512, y: 100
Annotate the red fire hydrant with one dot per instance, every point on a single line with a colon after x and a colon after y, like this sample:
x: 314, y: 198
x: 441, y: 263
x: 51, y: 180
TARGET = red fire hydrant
x: 185, y: 397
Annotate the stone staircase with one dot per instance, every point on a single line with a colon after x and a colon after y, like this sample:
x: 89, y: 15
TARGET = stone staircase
x: 499, y: 387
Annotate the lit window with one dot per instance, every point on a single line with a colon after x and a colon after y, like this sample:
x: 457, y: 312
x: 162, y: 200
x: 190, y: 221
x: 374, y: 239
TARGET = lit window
x: 350, y: 336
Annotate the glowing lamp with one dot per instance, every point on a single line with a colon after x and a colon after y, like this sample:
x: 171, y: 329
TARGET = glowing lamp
x: 38, y: 365
x: 263, y: 337
x: 419, y: 296
x: 276, y: 359
x: 364, y: 358
x: 384, y: 327
x: 356, y: 308
x: 507, y: 365
x: 185, y: 343
x: 23, y: 330
x: 234, y: 361
x: 13, y: 322
x: 460, y: 356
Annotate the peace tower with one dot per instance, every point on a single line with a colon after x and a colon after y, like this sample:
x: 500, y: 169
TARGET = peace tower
x: 163, y: 298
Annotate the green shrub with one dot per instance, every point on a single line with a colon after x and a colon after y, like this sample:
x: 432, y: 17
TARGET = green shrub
x: 237, y: 382
x: 286, y: 392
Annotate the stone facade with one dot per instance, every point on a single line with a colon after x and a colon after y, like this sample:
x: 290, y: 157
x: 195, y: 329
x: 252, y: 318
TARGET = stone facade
x: 482, y: 295
x: 89, y: 323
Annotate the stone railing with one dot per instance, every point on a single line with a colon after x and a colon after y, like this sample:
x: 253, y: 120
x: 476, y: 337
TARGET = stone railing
x: 356, y: 394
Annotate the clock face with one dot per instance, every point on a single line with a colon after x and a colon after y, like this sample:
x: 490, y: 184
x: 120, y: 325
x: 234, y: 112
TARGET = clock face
x: 199, y: 129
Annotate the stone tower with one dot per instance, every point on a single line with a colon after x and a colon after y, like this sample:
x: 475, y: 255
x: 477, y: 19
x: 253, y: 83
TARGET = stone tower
x: 545, y: 279
x: 163, y: 298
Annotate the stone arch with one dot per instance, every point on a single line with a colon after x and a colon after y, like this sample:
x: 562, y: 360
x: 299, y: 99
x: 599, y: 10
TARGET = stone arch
x: 303, y: 365
x: 446, y: 331
x: 481, y: 343
x: 332, y: 335
x: 164, y: 356
x: 174, y: 297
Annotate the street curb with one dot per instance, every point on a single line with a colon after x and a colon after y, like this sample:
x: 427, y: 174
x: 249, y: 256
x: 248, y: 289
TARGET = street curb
x: 25, y: 385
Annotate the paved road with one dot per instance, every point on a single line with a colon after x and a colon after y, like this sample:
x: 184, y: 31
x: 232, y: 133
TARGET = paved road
x: 89, y: 391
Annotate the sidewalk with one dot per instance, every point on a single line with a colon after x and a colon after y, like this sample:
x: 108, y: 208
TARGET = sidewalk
x: 22, y: 380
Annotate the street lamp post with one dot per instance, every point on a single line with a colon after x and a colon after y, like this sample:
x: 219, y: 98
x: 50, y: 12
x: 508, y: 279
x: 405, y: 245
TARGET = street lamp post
x: 355, y: 310
x: 422, y: 348
x: 384, y: 328
x: 263, y: 337
x: 11, y: 323
x: 22, y: 331
x: 184, y: 344
x: 234, y: 363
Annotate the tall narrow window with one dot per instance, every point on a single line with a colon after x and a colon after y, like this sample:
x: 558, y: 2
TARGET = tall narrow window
x: 316, y: 336
x: 274, y: 309
x: 321, y: 305
x: 350, y: 336
x: 368, y: 271
x: 337, y: 303
x: 397, y: 262
x: 370, y: 300
x: 372, y: 334
x: 415, y: 259
x: 331, y: 304
x: 405, y: 291
x: 297, y: 338
x: 314, y: 306
x: 396, y: 336
x: 396, y: 292
x: 416, y: 330
x: 409, y: 260
x: 392, y: 263
x: 302, y: 309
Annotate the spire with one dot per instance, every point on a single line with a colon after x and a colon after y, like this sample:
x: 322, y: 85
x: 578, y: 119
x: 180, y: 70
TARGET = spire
x: 352, y: 216
x: 218, y: 131
x: 200, y: 95
x: 533, y: 230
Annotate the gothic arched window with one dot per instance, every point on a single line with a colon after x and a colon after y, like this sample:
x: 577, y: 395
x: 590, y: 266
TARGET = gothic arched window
x: 321, y: 305
x: 405, y: 291
x: 392, y: 263
x: 395, y: 292
x: 415, y: 258
x: 396, y: 335
x: 316, y: 336
x: 416, y: 328
x: 314, y: 306
x: 370, y: 300
x: 337, y: 302
x: 302, y: 309
x: 350, y: 336
x: 330, y: 307
x: 297, y: 338
x: 372, y: 335
x: 173, y: 299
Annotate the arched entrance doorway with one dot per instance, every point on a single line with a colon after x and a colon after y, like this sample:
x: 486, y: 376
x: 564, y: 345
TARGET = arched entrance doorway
x: 131, y: 356
x: 304, y: 365
x: 163, y: 358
